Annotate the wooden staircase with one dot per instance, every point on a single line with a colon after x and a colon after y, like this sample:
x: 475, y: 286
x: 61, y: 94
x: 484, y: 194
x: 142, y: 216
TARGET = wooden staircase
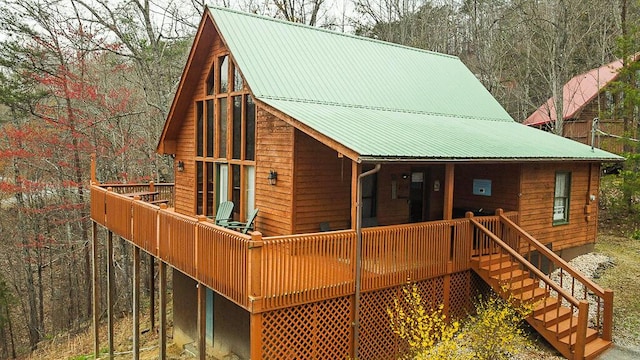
x: 561, y: 316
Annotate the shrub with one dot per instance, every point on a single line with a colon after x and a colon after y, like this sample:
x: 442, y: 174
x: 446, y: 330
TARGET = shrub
x: 426, y: 332
x: 493, y: 333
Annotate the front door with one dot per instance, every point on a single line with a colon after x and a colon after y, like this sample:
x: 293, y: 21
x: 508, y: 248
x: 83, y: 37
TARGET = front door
x: 418, y: 196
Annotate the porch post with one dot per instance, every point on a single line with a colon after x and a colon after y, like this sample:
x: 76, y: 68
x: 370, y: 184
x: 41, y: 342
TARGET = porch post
x: 110, y: 291
x: 355, y: 171
x: 448, y: 191
x: 96, y: 300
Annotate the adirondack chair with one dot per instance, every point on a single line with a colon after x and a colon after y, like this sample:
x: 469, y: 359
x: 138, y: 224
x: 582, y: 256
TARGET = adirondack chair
x: 223, y: 214
x: 243, y: 227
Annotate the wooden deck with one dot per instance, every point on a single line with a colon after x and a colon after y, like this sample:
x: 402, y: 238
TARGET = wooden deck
x: 264, y: 273
x: 267, y: 273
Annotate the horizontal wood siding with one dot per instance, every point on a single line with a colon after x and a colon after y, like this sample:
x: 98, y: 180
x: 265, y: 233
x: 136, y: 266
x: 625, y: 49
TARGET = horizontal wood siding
x: 504, y: 186
x: 322, y: 186
x: 185, y: 181
x: 274, y: 151
x: 536, y: 203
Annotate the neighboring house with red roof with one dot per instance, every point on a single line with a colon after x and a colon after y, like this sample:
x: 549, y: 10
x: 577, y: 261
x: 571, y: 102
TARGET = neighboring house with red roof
x: 587, y: 96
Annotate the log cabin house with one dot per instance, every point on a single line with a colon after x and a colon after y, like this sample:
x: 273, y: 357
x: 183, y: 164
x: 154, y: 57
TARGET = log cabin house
x: 370, y: 164
x: 587, y: 97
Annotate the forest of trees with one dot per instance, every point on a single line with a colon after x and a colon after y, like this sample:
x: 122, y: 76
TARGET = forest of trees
x: 98, y: 76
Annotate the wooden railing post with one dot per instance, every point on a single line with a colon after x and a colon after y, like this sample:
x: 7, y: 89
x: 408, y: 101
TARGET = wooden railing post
x: 254, y: 271
x: 94, y: 179
x: 607, y: 321
x: 152, y: 186
x: 581, y: 334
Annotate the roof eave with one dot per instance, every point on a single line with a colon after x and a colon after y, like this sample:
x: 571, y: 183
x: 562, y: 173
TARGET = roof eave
x: 441, y: 160
x: 167, y: 134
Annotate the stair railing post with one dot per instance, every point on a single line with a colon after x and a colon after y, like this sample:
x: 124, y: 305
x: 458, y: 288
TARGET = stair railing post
x: 581, y: 334
x: 607, y: 321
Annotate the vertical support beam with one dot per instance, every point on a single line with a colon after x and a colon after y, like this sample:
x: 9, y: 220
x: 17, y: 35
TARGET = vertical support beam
x: 448, y: 192
x: 136, y: 302
x: 255, y: 337
x: 254, y: 271
x: 202, y: 321
x: 152, y: 292
x: 94, y: 180
x: 96, y: 300
x: 162, y: 270
x: 581, y: 331
x: 355, y: 171
x: 607, y: 321
x: 110, y: 291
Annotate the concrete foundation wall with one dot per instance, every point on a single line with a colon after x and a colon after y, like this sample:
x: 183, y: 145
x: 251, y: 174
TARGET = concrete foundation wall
x: 231, y: 328
x: 185, y: 309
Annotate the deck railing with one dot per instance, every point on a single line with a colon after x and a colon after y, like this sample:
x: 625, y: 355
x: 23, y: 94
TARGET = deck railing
x: 185, y: 242
x: 392, y: 255
x: 571, y: 281
x: 280, y: 271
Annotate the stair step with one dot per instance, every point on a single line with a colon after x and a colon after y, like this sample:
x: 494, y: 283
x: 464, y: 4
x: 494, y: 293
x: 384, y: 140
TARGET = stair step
x: 514, y: 275
x: 520, y: 286
x: 553, y: 315
x: 485, y: 260
x: 571, y: 339
x: 595, y: 348
x: 531, y: 296
x: 501, y: 267
x: 565, y: 327
x: 546, y: 305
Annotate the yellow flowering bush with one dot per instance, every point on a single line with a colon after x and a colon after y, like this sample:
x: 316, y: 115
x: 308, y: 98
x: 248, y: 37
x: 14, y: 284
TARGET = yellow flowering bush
x: 493, y: 333
x: 427, y: 332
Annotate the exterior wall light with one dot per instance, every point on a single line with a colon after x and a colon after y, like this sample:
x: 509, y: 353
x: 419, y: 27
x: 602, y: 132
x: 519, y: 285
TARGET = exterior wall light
x: 180, y: 166
x: 273, y: 177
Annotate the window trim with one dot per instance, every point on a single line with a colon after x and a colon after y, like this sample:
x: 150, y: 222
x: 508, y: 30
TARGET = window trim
x: 567, y: 198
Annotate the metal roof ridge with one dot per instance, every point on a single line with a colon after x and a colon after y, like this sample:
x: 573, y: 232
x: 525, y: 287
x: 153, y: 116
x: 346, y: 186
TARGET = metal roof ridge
x: 381, y: 108
x: 332, y: 32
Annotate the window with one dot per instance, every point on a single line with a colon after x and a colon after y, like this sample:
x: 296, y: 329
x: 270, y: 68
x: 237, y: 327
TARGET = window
x: 224, y: 74
x: 225, y: 128
x: 561, y: 198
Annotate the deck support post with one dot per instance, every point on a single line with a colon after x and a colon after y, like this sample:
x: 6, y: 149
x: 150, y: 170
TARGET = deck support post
x: 96, y: 300
x: 162, y: 270
x: 136, y: 302
x: 448, y: 192
x: 202, y: 321
x: 255, y: 337
x: 110, y: 291
x: 152, y: 292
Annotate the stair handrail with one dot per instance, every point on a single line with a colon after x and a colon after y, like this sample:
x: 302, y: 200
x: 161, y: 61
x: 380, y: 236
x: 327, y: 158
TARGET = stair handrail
x: 519, y: 258
x: 605, y: 294
x: 557, y: 260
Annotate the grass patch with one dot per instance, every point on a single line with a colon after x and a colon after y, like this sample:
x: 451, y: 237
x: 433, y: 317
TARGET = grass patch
x: 623, y: 280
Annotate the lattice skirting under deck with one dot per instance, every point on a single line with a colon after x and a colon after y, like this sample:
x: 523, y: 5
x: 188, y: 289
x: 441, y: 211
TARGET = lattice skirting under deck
x: 323, y: 330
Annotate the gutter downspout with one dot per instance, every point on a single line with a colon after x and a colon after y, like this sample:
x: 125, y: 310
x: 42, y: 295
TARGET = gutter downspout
x: 356, y: 321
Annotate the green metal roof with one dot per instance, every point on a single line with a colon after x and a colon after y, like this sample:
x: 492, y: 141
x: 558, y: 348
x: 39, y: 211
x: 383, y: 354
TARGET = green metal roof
x: 379, y: 99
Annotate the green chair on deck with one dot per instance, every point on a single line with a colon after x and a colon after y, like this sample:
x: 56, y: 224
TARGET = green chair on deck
x: 243, y: 227
x: 223, y: 214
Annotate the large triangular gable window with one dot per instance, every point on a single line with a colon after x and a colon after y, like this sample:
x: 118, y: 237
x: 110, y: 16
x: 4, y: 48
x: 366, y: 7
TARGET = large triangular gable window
x: 225, y: 140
